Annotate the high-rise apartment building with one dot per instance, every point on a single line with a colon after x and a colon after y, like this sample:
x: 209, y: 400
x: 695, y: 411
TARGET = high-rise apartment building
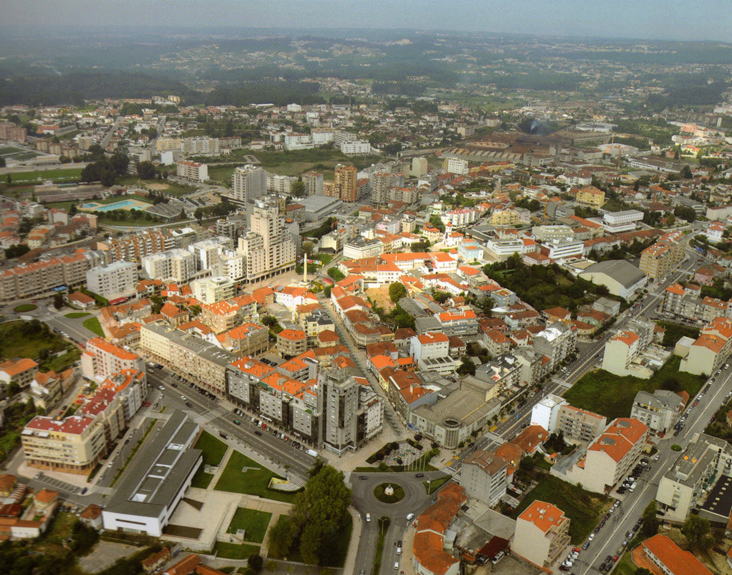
x: 116, y: 280
x: 313, y: 183
x: 268, y: 248
x: 248, y: 183
x: 345, y: 182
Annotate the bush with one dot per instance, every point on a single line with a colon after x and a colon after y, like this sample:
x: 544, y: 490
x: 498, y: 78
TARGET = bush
x: 255, y: 562
x: 675, y: 448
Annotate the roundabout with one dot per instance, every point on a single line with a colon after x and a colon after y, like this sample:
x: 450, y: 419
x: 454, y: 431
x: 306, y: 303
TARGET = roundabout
x: 389, y: 493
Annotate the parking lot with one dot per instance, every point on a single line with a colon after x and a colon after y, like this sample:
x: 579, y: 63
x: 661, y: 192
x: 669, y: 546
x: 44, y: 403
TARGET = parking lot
x: 57, y: 484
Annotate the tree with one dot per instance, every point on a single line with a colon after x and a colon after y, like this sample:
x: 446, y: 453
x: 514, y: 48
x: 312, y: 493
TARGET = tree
x: 308, y: 247
x: 58, y: 300
x: 320, y: 512
x: 146, y: 170
x: 397, y: 291
x: 269, y: 320
x: 650, y: 520
x: 466, y: 367
x: 436, y: 221
x: 298, y: 188
x: 282, y: 537
x: 336, y: 274
x: 198, y: 214
x: 696, y: 529
x: 255, y: 562
x: 686, y: 172
x: 119, y: 162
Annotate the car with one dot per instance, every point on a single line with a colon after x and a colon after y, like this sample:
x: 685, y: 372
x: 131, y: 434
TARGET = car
x: 591, y: 537
x: 399, y: 549
x: 419, y: 474
x: 189, y: 404
x: 621, y: 489
x: 608, y: 558
x: 396, y: 565
x: 615, y: 558
x: 161, y: 388
x: 368, y: 517
x: 601, y: 567
x: 183, y: 397
x: 257, y: 432
x: 648, y: 468
x: 174, y: 384
x: 655, y: 457
x: 363, y: 477
x: 84, y: 490
x: 639, y: 522
x: 629, y: 535
x: 585, y: 545
x: 236, y: 422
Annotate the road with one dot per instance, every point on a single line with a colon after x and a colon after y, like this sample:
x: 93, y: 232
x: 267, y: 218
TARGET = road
x: 415, y: 501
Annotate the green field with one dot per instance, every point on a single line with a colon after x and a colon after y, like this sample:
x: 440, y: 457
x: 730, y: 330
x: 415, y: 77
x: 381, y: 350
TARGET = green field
x: 242, y: 475
x: 5, y: 150
x: 24, y: 307
x: 34, y: 340
x: 92, y: 324
x: 213, y: 449
x: 77, y: 314
x: 59, y: 175
x: 234, y: 550
x: 607, y: 394
x: 583, y: 508
x: 253, y: 522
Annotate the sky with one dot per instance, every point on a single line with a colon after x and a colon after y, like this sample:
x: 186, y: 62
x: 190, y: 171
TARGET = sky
x: 638, y: 19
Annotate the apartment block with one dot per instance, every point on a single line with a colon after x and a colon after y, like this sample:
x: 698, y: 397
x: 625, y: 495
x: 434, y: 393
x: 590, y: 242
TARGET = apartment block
x: 577, y: 424
x: 609, y: 457
x: 134, y: 247
x: 344, y: 182
x: 658, y: 260
x: 102, y: 359
x: 484, y: 476
x: 248, y: 339
x: 213, y: 289
x: 197, y: 360
x: 177, y: 265
x: 557, y: 341
x: 268, y: 248
x: 591, y: 196
x: 686, y: 486
x: 225, y: 315
x: 658, y: 410
x: 192, y: 171
x: 542, y: 534
x: 248, y: 183
x: 711, y: 349
x: 116, y: 280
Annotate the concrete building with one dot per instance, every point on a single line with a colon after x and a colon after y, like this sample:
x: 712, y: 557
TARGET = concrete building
x: 248, y: 183
x: 578, y: 424
x: 213, y: 289
x: 177, y: 265
x: 620, y: 351
x: 268, y: 248
x: 542, y: 533
x: 711, y: 349
x: 623, y: 221
x: 102, y: 359
x: 620, y: 277
x: 546, y: 412
x: 591, y: 196
x: 658, y: 410
x: 116, y: 280
x: 197, y: 360
x: 345, y: 182
x: 483, y: 476
x: 609, y: 457
x: 670, y: 559
x: 557, y: 341
x: 658, y: 260
x: 688, y: 483
x: 192, y: 171
x: 157, y: 479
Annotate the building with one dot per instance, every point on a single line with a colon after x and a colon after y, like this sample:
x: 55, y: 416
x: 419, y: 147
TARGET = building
x: 578, y: 424
x: 431, y: 544
x: 557, y: 341
x: 620, y: 351
x: 21, y: 371
x: 591, y: 196
x: 689, y: 482
x: 345, y: 182
x: 102, y: 359
x: 199, y: 361
x: 156, y: 480
x: 213, y: 289
x: 670, y: 559
x: 546, y: 412
x: 248, y: 183
x: 484, y: 476
x: 116, y: 280
x: 292, y: 342
x: 192, y: 171
x: 658, y: 410
x: 313, y: 182
x: 623, y: 221
x: 268, y: 248
x: 609, y: 457
x: 621, y: 278
x: 542, y: 533
x: 711, y: 349
x: 658, y: 260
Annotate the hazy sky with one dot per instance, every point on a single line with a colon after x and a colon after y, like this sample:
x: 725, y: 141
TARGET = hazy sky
x: 643, y: 19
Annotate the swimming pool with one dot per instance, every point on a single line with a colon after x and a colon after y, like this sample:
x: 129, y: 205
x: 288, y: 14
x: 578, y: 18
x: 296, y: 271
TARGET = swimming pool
x: 121, y: 205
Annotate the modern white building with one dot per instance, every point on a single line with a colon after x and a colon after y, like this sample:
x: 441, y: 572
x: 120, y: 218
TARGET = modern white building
x: 213, y: 289
x: 176, y: 265
x: 546, y: 412
x: 192, y: 171
x: 116, y: 280
x: 458, y: 166
x: 156, y: 480
x: 484, y: 476
x: 356, y: 148
x: 619, y: 222
x: 248, y: 183
x: 267, y: 248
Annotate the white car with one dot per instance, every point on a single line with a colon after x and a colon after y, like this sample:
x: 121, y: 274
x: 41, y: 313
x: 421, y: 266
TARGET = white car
x: 368, y: 517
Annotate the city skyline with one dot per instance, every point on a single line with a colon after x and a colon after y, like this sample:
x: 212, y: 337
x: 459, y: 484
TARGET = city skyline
x: 623, y: 19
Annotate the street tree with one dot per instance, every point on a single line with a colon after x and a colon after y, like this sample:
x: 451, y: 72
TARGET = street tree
x: 397, y: 291
x: 650, y: 520
x: 696, y: 530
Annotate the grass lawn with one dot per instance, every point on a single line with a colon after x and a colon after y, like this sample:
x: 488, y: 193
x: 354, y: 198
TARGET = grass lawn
x: 583, y: 508
x: 253, y: 481
x: 77, y: 314
x: 395, y: 497
x: 25, y: 307
x: 625, y: 565
x: 201, y: 479
x: 252, y: 521
x: 59, y: 175
x: 221, y: 174
x: 213, y: 449
x: 60, y: 363
x: 92, y: 324
x: 234, y: 550
x: 612, y: 396
x: 17, y: 339
x: 431, y: 486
